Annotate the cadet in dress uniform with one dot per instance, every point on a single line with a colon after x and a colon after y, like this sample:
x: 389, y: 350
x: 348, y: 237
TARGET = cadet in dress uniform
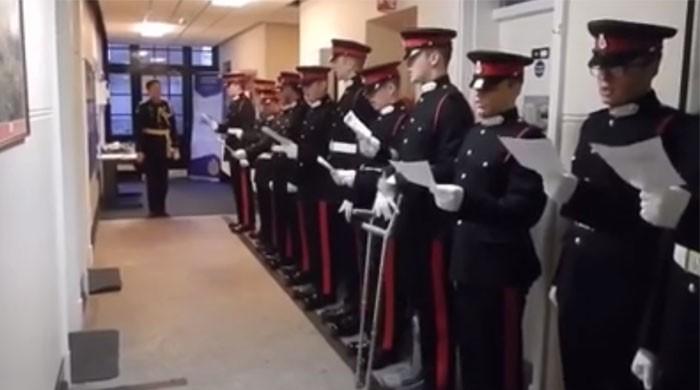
x: 311, y: 178
x: 382, y: 87
x: 348, y: 58
x: 433, y: 132
x: 494, y: 202
x: 239, y: 119
x: 668, y: 355
x: 156, y: 143
x: 610, y: 255
x: 257, y: 151
x: 284, y: 183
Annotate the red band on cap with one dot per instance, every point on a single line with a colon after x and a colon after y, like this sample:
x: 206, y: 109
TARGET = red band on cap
x: 414, y: 43
x: 614, y: 45
x: 379, y: 77
x: 344, y: 51
x: 500, y: 69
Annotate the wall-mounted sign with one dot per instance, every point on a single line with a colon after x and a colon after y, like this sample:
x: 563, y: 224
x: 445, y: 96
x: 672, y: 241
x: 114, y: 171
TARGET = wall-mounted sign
x: 539, y: 68
x: 540, y: 55
x: 14, y: 117
x: 387, y: 5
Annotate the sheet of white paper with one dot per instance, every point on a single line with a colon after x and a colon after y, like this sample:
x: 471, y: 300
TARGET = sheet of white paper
x: 223, y: 143
x: 356, y: 125
x: 644, y: 165
x: 540, y: 155
x: 324, y: 163
x: 276, y: 136
x: 417, y: 172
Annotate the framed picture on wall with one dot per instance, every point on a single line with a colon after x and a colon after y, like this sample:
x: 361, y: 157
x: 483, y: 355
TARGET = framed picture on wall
x: 14, y: 118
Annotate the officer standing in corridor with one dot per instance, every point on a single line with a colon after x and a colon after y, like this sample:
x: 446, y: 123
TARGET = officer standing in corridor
x: 156, y: 144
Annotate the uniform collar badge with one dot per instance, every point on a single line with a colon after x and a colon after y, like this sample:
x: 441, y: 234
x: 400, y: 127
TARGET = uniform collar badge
x: 427, y: 87
x: 387, y: 110
x: 624, y: 110
x: 478, y: 68
x: 315, y: 104
x: 493, y: 121
x: 602, y: 42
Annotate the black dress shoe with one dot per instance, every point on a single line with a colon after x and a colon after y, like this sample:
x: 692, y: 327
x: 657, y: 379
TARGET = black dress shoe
x: 242, y: 229
x: 288, y: 269
x: 315, y: 301
x: 345, y: 326
x: 255, y: 236
x: 337, y: 313
x: 303, y: 291
x: 297, y: 278
x: 354, y: 346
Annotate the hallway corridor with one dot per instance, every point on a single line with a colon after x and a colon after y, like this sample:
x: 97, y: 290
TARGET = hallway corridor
x: 197, y: 305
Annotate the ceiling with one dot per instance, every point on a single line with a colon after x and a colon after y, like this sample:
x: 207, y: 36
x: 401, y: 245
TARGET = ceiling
x: 200, y: 22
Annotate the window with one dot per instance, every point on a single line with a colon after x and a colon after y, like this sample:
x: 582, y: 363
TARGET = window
x: 202, y: 56
x: 121, y: 109
x: 172, y: 91
x: 170, y: 55
x: 118, y: 53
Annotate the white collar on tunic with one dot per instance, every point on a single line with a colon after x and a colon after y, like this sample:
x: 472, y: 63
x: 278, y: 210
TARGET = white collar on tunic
x: 315, y: 104
x: 624, y: 110
x: 387, y: 110
x: 493, y: 120
x: 427, y: 87
x: 289, y: 106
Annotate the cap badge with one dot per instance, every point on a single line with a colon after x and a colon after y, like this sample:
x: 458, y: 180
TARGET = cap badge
x: 602, y: 42
x: 478, y: 68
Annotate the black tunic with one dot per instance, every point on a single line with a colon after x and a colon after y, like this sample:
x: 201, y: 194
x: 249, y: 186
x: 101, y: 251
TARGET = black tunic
x: 313, y: 142
x: 158, y: 116
x: 503, y: 200
x: 241, y: 115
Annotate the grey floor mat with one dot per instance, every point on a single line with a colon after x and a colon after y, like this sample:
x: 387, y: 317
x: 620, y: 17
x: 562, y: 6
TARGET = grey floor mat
x: 94, y: 355
x: 104, y: 280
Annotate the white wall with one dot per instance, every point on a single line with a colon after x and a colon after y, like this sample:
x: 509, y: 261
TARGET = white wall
x: 246, y: 51
x: 33, y: 327
x: 322, y: 20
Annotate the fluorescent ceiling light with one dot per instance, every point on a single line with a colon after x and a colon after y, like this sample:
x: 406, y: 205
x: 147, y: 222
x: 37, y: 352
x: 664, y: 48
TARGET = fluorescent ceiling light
x: 154, y: 29
x: 230, y: 3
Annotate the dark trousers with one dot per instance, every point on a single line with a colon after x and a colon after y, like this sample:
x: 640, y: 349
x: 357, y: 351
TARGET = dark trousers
x: 487, y: 323
x: 243, y: 194
x: 286, y: 222
x: 421, y: 266
x: 309, y: 231
x: 344, y: 248
x: 156, y: 170
x: 264, y: 203
x: 678, y: 358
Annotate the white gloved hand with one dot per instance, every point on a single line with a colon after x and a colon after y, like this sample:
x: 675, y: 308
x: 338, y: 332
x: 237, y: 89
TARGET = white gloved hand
x: 271, y: 185
x: 236, y: 132
x: 277, y: 148
x: 292, y: 151
x: 291, y: 188
x: 448, y: 197
x: 553, y: 296
x: 240, y: 154
x: 664, y: 208
x: 369, y: 147
x: 207, y: 120
x: 346, y: 209
x: 643, y: 367
x: 384, y: 206
x: 387, y: 186
x: 560, y: 188
x: 244, y: 163
x: 174, y: 154
x: 344, y: 177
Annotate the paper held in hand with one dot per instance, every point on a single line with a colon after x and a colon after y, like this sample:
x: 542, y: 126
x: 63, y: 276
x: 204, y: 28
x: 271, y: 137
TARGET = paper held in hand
x: 416, y: 172
x: 223, y: 143
x: 324, y: 163
x: 277, y: 136
x: 644, y: 165
x: 356, y: 125
x: 540, y: 155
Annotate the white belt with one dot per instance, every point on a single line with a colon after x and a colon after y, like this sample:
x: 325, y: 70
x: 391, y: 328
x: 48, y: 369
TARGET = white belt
x: 342, y: 147
x: 265, y: 156
x: 687, y: 259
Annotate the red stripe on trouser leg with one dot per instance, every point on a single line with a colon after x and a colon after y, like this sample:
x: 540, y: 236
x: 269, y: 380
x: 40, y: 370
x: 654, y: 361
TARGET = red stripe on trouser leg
x: 326, y: 287
x: 274, y: 221
x: 389, y: 298
x: 305, y: 261
x: 244, y: 196
x: 442, y: 347
x: 288, y: 243
x: 511, y: 340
